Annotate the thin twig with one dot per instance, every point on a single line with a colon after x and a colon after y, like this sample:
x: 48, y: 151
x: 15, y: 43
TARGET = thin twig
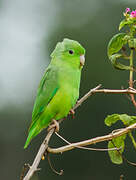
x: 93, y: 140
x: 52, y: 168
x: 86, y: 96
x: 131, y: 78
x: 87, y: 148
x: 106, y: 91
x: 115, y: 91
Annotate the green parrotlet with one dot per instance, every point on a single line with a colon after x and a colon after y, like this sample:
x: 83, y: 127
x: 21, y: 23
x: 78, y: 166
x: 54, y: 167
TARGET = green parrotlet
x: 59, y: 88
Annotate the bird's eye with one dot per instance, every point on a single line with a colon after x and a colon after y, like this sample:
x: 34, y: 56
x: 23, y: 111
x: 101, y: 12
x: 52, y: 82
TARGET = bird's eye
x: 71, y: 52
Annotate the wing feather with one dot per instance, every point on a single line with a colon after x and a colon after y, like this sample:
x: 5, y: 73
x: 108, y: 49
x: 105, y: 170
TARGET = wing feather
x: 47, y: 89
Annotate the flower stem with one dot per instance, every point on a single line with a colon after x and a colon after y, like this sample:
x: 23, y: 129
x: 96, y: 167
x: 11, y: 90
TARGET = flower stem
x: 131, y: 77
x: 132, y: 139
x: 131, y: 71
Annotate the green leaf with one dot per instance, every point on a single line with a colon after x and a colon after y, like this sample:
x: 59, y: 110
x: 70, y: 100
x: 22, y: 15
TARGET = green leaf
x: 132, y: 43
x: 126, y: 119
x: 117, y: 65
x: 125, y: 22
x: 115, y: 155
x: 119, y: 141
x: 133, y: 120
x: 116, y: 43
x: 122, y: 24
x: 111, y: 119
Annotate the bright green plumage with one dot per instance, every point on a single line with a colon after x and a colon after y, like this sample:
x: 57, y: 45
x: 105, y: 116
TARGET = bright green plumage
x: 59, y: 88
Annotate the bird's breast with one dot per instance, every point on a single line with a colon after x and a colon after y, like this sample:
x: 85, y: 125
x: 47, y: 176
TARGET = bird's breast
x: 65, y: 100
x: 69, y: 82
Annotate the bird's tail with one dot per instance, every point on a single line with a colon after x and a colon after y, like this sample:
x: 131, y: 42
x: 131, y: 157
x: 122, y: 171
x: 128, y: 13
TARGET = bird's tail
x: 38, y: 125
x: 35, y: 128
x: 33, y: 131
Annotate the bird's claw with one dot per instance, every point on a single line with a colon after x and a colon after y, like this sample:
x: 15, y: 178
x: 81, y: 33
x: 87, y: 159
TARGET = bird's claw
x: 55, y: 125
x: 72, y: 112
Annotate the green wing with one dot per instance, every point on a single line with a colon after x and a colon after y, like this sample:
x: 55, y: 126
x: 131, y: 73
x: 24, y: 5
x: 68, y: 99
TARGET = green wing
x: 46, y: 91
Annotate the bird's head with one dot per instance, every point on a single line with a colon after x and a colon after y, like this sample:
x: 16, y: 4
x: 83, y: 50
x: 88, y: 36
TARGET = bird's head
x: 69, y: 52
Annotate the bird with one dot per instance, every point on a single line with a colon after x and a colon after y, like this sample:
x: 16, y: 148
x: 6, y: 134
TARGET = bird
x: 58, y: 90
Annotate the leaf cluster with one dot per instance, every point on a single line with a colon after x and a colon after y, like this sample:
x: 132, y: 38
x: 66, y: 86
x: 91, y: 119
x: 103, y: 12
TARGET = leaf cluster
x: 121, y: 46
x: 120, y: 42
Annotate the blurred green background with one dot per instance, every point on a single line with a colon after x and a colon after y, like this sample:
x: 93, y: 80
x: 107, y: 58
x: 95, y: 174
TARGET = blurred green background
x: 29, y: 31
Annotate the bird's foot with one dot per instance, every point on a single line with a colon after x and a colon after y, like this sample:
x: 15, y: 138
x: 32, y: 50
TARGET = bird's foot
x: 55, y: 125
x: 72, y: 112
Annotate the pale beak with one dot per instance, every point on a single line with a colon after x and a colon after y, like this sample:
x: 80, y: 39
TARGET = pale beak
x: 82, y: 60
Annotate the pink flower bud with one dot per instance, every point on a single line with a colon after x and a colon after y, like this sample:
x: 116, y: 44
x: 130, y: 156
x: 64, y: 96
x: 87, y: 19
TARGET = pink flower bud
x: 127, y: 10
x: 133, y: 14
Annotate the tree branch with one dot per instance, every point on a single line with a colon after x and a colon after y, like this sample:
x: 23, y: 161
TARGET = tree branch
x: 92, y: 141
x: 44, y: 146
x: 116, y: 91
x: 39, y: 155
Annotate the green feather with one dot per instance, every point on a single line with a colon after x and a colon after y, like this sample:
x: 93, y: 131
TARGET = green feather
x: 59, y: 88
